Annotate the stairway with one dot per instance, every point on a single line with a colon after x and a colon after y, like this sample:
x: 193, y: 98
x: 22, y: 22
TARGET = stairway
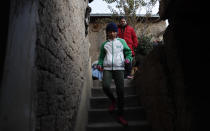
x: 99, y: 119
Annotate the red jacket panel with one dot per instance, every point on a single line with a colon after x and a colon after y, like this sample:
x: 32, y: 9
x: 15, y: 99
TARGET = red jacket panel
x: 129, y: 36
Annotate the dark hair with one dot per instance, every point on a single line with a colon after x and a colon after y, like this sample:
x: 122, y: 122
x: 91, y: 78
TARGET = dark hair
x: 111, y: 27
x: 122, y: 17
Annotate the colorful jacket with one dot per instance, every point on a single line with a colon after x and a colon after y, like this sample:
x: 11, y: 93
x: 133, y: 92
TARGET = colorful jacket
x: 113, y: 54
x: 129, y: 36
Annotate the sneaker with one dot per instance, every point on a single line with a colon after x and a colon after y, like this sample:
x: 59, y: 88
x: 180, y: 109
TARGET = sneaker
x: 130, y: 77
x: 122, y: 121
x: 112, y: 107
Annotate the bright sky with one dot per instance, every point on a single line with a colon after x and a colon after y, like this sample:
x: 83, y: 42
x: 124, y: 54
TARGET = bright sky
x: 101, y: 7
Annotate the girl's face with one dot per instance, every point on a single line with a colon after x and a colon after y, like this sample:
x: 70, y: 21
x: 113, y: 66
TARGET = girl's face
x: 112, y: 35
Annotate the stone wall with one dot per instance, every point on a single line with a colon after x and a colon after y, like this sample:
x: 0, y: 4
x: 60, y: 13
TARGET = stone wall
x: 62, y: 62
x: 97, y: 34
x: 172, y: 83
x: 46, y: 77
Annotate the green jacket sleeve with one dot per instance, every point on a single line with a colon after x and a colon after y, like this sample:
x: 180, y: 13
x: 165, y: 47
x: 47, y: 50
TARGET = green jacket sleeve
x: 127, y: 51
x: 102, y: 55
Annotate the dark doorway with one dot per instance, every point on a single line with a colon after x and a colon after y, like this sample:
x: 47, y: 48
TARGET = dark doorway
x: 5, y: 9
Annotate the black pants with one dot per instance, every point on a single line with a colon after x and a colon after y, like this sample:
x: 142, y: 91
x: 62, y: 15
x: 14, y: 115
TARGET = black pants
x: 118, y: 76
x: 128, y: 68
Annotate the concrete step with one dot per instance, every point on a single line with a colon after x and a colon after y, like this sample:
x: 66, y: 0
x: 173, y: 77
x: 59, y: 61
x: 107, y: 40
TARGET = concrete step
x: 99, y: 118
x: 103, y: 115
x: 115, y: 126
x: 104, y: 102
x: 99, y: 91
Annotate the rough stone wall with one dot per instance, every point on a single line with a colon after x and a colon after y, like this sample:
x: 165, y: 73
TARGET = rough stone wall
x: 62, y: 62
x: 97, y: 35
x: 154, y: 29
x: 161, y: 88
x: 171, y: 84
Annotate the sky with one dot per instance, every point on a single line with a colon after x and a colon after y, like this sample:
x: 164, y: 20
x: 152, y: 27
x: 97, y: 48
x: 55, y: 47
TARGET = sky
x: 101, y: 7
